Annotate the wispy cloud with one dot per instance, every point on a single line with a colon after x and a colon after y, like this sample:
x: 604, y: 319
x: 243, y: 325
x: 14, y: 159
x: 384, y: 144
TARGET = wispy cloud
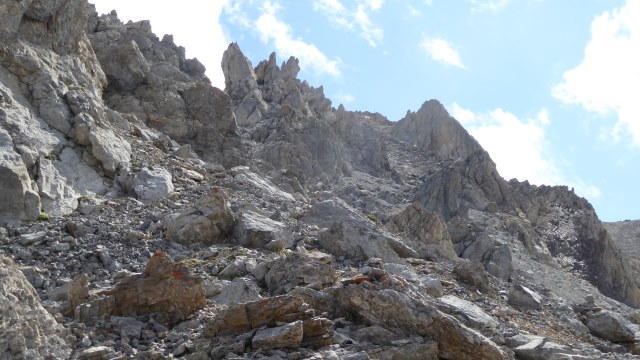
x: 354, y: 19
x: 488, y: 5
x: 519, y: 147
x: 343, y: 97
x: 441, y: 50
x: 607, y: 81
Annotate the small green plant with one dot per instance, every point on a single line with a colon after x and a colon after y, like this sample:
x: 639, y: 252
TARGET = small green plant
x: 43, y: 216
x: 373, y: 217
x: 52, y: 157
x: 283, y: 252
x: 135, y: 162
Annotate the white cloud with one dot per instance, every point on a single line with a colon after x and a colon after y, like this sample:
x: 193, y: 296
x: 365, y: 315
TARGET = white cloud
x: 372, y: 34
x: 441, y: 50
x: 271, y: 28
x: 357, y: 19
x: 488, y: 5
x: 518, y: 147
x: 344, y: 98
x: 199, y: 32
x: 607, y: 81
x: 334, y: 11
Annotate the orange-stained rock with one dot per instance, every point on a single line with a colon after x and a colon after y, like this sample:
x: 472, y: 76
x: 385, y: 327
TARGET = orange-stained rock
x: 165, y: 287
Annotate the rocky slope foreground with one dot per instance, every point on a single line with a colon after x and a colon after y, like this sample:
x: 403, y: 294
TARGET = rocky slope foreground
x: 146, y: 214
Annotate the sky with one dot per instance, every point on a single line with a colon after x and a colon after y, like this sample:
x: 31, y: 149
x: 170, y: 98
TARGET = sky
x: 551, y: 89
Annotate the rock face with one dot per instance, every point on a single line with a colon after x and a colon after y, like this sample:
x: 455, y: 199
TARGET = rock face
x: 427, y: 230
x: 27, y: 330
x: 117, y: 155
x: 19, y: 200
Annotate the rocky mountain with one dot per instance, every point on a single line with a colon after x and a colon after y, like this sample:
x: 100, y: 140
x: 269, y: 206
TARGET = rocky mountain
x: 146, y: 214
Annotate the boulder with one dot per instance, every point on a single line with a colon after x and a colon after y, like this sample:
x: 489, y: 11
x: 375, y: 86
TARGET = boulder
x: 27, y: 330
x: 524, y: 298
x: 471, y: 272
x: 257, y: 231
x: 208, y: 220
x: 285, y: 336
x: 152, y: 184
x: 611, y: 326
x: 240, y: 318
x: 468, y: 313
x: 266, y: 187
x: 426, y: 229
x: 541, y: 349
x: 419, y: 283
x: 165, y: 287
x: 110, y: 149
x: 240, y: 290
x: 352, y: 235
x: 298, y: 270
x: 420, y: 317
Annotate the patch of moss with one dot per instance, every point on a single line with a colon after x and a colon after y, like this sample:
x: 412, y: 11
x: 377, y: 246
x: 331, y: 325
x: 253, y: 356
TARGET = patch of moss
x: 43, y: 216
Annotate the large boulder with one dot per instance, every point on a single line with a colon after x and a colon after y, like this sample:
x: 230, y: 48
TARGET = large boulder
x: 392, y: 309
x: 209, y: 220
x: 298, y: 270
x: 612, y: 326
x: 27, y: 330
x: 152, y: 184
x: 165, y: 287
x: 350, y: 234
x: 257, y: 231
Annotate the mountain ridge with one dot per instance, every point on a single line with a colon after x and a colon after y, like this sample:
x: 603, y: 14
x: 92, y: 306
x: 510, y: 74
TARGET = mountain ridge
x: 119, y: 157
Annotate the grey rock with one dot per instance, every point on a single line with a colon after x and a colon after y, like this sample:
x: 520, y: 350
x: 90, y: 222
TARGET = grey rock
x: 129, y: 328
x: 524, y: 298
x: 240, y: 290
x: 540, y: 349
x: 421, y: 283
x: 208, y: 221
x: 152, y: 184
x: 426, y: 351
x: 469, y: 313
x: 352, y: 235
x: 266, y: 187
x: 471, y: 272
x: 33, y: 333
x: 285, y: 336
x: 64, y: 181
x: 113, y: 152
x: 419, y: 317
x: 257, y: 231
x: 611, y: 326
x: 426, y: 229
x: 20, y: 201
x: 298, y: 270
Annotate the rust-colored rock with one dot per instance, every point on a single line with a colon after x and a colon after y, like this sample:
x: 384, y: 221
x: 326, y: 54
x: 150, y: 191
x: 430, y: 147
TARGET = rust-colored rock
x: 165, y: 287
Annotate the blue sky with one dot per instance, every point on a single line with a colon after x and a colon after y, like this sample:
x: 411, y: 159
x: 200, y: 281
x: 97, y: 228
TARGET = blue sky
x: 550, y: 88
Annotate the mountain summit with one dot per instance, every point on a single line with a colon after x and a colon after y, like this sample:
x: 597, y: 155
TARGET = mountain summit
x: 145, y: 214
